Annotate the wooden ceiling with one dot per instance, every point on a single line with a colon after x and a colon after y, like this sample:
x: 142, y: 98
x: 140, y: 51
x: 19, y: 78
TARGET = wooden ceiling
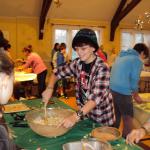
x: 95, y: 10
x: 123, y: 9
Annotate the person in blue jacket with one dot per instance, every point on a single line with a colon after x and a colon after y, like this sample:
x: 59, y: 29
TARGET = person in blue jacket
x: 60, y: 87
x: 125, y: 75
x: 60, y: 58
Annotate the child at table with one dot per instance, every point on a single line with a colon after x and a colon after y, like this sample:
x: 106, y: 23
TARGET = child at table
x: 38, y: 66
x: 92, y: 82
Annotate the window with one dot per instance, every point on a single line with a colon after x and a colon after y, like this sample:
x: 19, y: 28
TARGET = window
x: 139, y: 38
x: 130, y: 37
x: 60, y: 36
x: 74, y: 54
x: 126, y: 39
x: 66, y: 34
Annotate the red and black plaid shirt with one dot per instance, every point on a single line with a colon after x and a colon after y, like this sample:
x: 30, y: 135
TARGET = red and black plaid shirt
x: 98, y: 89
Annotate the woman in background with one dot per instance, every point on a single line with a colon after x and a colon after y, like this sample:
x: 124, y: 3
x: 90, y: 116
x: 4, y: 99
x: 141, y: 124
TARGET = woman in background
x: 36, y: 63
x: 54, y: 51
x: 59, y: 60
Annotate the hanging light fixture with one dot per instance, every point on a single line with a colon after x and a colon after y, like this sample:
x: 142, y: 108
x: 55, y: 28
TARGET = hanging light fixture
x: 139, y: 23
x: 147, y: 16
x: 141, y: 20
x: 57, y: 3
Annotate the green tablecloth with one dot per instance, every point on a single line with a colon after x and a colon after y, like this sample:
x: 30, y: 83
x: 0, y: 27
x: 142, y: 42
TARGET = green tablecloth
x: 29, y: 140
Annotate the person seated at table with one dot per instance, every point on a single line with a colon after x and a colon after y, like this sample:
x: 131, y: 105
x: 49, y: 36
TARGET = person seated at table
x: 92, y: 82
x: 35, y: 62
x: 137, y: 134
x: 6, y: 89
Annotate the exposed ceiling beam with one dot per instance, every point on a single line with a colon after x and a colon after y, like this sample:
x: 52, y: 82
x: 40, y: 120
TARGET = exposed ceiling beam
x: 45, y: 7
x: 121, y: 12
x: 119, y: 9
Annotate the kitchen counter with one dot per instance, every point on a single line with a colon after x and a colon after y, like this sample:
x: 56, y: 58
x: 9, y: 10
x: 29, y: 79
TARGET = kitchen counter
x: 29, y: 140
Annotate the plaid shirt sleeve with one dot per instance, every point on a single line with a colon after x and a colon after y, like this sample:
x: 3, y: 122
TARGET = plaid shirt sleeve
x: 100, y: 85
x: 100, y: 93
x: 66, y: 70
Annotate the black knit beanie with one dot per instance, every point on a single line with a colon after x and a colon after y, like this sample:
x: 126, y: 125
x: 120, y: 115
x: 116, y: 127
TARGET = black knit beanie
x: 86, y: 36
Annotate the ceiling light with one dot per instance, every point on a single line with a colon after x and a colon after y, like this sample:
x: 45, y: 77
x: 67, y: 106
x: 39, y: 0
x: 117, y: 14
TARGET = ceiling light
x: 57, y: 3
x: 141, y: 20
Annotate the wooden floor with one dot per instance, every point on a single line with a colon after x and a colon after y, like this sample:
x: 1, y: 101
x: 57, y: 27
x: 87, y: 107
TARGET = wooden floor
x: 71, y: 101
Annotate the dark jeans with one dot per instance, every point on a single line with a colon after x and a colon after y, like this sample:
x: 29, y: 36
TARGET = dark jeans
x: 123, y: 108
x: 41, y: 77
x: 19, y: 90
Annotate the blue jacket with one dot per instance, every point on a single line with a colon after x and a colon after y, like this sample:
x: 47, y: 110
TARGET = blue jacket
x: 60, y: 59
x: 125, y: 73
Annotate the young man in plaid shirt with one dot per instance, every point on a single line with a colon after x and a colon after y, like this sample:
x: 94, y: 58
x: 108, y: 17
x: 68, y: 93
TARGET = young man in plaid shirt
x: 92, y: 82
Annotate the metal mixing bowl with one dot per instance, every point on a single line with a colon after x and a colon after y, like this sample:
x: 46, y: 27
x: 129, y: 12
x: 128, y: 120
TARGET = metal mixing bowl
x: 89, y: 144
x: 45, y: 129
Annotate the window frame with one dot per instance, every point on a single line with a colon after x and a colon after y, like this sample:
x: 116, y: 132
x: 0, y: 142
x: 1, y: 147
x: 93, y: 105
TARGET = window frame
x: 69, y: 29
x: 133, y: 33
